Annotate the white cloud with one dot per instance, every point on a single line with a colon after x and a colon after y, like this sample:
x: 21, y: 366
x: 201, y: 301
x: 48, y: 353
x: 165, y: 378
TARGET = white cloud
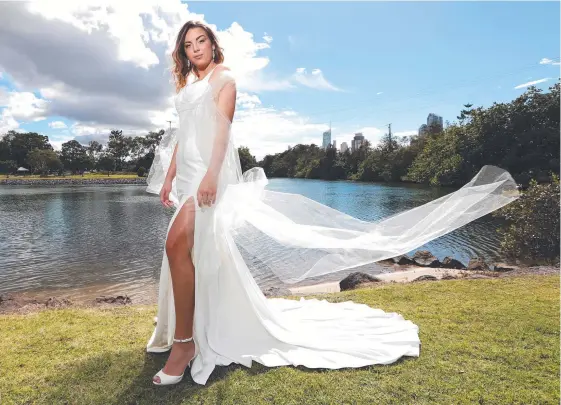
x: 240, y: 52
x: 547, y: 61
x: 289, y: 113
x: 23, y: 106
x: 57, y: 125
x: 380, y: 92
x: 260, y: 82
x: 4, y: 98
x: 7, y: 122
x: 528, y: 84
x: 246, y: 100
x: 241, y: 55
x: 57, y: 141
x: 106, y: 65
x: 266, y: 130
x: 314, y: 80
x: 123, y: 22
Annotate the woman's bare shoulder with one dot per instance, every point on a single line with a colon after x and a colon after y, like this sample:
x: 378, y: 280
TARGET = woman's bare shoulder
x: 223, y: 68
x: 223, y: 71
x: 221, y: 76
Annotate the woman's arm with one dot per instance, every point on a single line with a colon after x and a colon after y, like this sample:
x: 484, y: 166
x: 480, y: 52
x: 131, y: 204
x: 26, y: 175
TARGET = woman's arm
x: 172, y: 166
x: 226, y: 105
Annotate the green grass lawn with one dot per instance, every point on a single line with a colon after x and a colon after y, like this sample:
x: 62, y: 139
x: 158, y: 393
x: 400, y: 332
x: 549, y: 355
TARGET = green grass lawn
x: 487, y: 341
x: 74, y: 176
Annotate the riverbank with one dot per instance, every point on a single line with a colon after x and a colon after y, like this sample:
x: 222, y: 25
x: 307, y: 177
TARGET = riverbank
x: 483, y: 341
x: 73, y: 180
x: 28, y: 302
x: 412, y: 274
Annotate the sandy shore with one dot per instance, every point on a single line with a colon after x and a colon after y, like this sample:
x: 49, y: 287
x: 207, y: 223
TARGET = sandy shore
x: 398, y: 277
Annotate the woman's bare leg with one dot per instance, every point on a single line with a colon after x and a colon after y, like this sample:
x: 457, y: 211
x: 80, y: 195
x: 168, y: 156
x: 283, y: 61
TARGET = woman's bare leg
x: 178, y: 249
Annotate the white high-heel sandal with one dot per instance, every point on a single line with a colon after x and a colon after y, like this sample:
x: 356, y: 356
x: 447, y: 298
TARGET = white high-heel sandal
x: 166, y: 379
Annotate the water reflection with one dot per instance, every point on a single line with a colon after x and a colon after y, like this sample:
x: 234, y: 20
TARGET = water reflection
x: 106, y: 239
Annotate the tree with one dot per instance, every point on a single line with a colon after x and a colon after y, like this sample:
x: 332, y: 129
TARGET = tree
x: 532, y: 231
x: 8, y: 166
x: 388, y: 143
x: 119, y: 147
x: 43, y: 160
x: 93, y: 150
x: 137, y: 147
x: 440, y: 161
x: 357, y: 157
x: 330, y: 169
x: 266, y: 163
x: 521, y: 136
x: 152, y: 140
x: 465, y: 114
x: 5, y: 149
x: 143, y: 150
x: 106, y: 163
x: 247, y: 160
x: 75, y: 157
x: 21, y: 143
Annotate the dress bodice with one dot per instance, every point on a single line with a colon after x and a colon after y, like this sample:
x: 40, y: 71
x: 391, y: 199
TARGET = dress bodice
x: 190, y: 95
x: 194, y: 141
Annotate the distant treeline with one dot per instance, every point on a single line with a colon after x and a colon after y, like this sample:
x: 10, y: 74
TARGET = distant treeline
x: 521, y: 136
x: 34, y: 152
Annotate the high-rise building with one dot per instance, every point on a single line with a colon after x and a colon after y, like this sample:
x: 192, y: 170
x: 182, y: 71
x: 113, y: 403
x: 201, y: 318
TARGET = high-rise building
x: 434, y: 119
x: 357, y: 141
x: 344, y: 147
x: 326, y: 139
x: 423, y: 129
x: 334, y: 144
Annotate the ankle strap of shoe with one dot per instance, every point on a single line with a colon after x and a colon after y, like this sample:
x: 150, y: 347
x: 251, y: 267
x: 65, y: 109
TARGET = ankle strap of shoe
x: 183, y: 340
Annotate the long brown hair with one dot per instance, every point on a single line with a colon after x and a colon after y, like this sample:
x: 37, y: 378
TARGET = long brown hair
x: 181, y: 68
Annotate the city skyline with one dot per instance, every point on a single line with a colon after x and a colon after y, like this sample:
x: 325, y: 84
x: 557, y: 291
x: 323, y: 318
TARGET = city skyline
x: 432, y: 119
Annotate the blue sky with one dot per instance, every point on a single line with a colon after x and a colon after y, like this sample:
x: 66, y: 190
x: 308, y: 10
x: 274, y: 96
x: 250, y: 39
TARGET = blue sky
x: 376, y: 62
x: 423, y: 56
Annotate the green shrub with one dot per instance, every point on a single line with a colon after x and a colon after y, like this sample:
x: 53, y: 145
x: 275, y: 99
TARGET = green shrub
x: 532, y: 233
x: 141, y: 171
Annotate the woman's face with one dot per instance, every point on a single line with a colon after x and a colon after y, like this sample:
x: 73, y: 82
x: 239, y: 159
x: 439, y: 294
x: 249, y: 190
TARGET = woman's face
x: 198, y: 47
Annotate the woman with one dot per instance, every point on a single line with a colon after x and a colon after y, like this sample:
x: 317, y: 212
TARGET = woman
x: 210, y: 310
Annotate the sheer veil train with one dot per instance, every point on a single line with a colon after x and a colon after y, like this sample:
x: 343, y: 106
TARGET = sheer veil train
x: 297, y: 238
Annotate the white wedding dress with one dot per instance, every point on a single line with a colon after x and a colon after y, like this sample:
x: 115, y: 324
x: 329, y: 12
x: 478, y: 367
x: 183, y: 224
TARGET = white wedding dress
x: 294, y: 238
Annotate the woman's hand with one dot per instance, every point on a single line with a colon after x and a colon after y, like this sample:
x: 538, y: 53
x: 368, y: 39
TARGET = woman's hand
x: 206, y: 195
x: 164, y: 194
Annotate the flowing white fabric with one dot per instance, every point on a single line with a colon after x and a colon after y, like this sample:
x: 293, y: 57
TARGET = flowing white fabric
x: 295, y: 238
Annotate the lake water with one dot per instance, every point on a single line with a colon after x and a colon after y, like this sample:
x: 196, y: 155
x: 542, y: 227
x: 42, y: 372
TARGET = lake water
x: 96, y: 240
